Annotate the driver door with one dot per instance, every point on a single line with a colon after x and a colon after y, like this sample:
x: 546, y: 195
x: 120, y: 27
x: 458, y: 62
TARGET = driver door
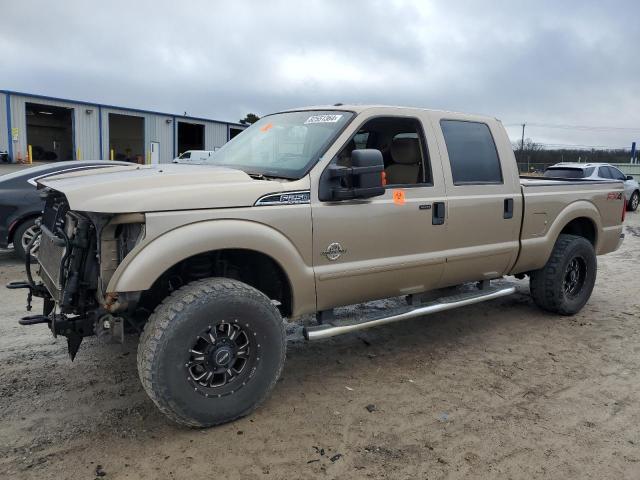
x: 385, y: 246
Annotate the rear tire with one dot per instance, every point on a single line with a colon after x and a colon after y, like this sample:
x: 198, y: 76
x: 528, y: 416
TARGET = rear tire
x: 211, y: 352
x: 565, y: 283
x: 632, y: 206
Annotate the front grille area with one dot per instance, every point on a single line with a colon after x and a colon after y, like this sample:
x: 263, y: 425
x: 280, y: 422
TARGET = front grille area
x: 50, y: 258
x: 52, y: 248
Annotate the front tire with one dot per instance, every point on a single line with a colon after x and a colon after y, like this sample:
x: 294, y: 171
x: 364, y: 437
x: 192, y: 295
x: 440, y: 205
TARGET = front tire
x: 211, y: 352
x: 632, y: 206
x: 565, y: 283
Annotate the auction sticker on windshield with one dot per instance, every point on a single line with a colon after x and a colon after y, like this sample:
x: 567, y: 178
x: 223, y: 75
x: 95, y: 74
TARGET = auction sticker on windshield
x: 323, y: 119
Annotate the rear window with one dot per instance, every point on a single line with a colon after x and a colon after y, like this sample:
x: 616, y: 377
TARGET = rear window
x: 568, y: 172
x: 472, y: 152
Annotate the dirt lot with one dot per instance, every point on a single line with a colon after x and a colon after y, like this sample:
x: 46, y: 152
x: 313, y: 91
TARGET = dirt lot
x: 499, y: 390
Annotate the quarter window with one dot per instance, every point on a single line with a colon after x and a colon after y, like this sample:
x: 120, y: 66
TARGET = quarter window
x: 472, y: 152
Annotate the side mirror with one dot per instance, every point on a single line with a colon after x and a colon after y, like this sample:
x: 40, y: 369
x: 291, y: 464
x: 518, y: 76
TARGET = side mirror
x: 629, y: 177
x: 362, y: 180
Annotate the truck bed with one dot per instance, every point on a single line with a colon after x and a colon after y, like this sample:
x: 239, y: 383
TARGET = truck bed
x: 550, y: 204
x: 533, y: 181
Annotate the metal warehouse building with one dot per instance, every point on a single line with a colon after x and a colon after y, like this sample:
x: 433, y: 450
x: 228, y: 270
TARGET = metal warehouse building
x: 61, y: 129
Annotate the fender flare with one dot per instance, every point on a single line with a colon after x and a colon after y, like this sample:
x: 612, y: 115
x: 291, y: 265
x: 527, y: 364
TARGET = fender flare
x: 578, y: 209
x: 147, y: 261
x: 535, y: 251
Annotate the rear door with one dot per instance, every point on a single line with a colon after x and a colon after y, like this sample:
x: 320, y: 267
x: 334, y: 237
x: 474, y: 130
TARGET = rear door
x: 484, y: 200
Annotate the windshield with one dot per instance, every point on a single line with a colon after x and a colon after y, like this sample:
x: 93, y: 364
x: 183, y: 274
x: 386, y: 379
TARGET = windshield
x: 282, y: 145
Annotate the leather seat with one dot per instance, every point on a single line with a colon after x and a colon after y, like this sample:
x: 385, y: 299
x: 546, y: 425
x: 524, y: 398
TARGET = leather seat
x: 405, y: 153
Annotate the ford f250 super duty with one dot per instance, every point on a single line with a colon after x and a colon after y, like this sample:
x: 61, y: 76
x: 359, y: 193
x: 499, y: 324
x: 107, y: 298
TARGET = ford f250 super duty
x: 305, y: 211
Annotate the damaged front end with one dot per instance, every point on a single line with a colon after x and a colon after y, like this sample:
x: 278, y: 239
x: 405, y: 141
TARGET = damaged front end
x: 78, y: 253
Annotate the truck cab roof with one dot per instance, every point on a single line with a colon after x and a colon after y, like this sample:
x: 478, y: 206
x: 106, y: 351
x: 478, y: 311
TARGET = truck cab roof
x: 389, y: 109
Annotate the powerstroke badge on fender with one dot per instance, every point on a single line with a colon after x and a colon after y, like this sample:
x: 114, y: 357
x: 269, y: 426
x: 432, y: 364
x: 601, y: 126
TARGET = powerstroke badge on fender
x: 614, y: 196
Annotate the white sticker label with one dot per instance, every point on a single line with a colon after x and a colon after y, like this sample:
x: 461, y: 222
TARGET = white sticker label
x: 323, y: 119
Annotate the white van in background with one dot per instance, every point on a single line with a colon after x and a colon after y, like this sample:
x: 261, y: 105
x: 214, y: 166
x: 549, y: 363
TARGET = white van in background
x: 193, y: 156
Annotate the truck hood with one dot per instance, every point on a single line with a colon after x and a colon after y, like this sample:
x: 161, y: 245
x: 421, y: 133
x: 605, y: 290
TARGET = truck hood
x: 153, y: 188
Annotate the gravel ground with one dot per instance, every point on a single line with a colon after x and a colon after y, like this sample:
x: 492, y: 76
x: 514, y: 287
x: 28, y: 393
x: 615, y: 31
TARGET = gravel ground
x: 499, y: 390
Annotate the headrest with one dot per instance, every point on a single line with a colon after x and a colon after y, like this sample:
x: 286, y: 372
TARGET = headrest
x: 405, y: 151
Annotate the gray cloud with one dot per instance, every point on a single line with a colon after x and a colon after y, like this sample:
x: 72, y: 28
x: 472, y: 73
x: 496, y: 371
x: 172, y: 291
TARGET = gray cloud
x: 544, y: 62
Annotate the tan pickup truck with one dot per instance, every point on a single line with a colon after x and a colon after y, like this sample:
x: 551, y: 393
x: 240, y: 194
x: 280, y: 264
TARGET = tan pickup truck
x: 306, y: 211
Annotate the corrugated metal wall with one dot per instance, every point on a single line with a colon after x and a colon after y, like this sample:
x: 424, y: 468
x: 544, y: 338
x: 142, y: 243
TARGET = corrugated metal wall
x: 4, y: 136
x: 89, y: 119
x: 161, y: 129
x: 85, y: 126
x: 157, y: 128
x: 215, y: 135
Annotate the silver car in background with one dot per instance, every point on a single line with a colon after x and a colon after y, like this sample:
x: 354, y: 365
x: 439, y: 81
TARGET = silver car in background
x: 598, y: 171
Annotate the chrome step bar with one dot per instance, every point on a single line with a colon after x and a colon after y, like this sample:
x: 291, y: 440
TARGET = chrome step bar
x: 319, y: 332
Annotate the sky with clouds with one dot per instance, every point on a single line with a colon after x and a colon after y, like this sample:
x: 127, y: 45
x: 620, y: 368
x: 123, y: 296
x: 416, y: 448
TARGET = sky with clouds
x: 569, y: 63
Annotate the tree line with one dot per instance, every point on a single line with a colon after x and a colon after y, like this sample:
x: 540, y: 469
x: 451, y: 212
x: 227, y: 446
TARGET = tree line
x: 535, y: 157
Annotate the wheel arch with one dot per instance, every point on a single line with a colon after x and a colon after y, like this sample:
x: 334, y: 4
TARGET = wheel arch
x: 580, y: 218
x: 19, y: 221
x: 582, y: 227
x: 148, y: 262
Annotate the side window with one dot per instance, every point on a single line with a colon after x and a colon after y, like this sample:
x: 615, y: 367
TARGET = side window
x: 401, y: 142
x: 360, y: 139
x: 588, y: 172
x: 617, y: 174
x: 472, y: 152
x: 603, y: 172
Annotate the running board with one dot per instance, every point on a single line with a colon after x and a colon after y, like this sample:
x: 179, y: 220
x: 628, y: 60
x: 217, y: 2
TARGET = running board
x: 337, y: 327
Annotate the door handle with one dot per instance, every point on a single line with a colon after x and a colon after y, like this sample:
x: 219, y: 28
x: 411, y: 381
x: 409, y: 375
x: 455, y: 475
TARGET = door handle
x: 508, y: 208
x: 438, y: 213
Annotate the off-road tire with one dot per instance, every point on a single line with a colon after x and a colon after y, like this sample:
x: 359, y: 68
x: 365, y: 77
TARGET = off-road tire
x: 163, y: 351
x: 632, y: 204
x: 18, y: 247
x: 547, y: 285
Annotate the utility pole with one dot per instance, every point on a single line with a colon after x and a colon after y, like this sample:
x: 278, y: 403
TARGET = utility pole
x: 522, y: 148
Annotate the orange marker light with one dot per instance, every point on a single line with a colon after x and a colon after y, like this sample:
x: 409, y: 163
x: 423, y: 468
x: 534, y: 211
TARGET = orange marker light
x: 398, y: 197
x: 384, y: 178
x: 266, y: 127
